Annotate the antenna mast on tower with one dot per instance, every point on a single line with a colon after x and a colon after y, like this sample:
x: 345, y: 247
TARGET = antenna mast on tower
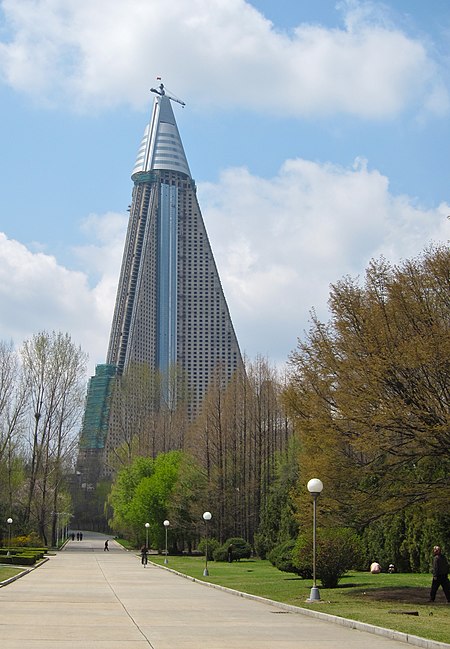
x: 162, y: 93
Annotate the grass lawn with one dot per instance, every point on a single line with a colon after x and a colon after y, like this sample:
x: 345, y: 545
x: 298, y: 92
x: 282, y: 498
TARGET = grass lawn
x: 359, y: 596
x: 6, y: 572
x: 126, y: 544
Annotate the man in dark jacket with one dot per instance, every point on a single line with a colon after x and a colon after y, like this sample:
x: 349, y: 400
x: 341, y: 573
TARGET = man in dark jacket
x: 144, y: 555
x: 440, y: 574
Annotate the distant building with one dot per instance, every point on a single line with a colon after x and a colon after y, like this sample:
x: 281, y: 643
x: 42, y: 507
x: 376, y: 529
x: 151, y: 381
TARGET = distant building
x: 170, y: 309
x: 95, y: 427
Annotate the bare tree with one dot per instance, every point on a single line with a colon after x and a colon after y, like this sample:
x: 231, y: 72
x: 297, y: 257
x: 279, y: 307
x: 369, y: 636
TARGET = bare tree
x: 145, y: 418
x: 13, y: 394
x: 54, y: 370
x: 240, y: 430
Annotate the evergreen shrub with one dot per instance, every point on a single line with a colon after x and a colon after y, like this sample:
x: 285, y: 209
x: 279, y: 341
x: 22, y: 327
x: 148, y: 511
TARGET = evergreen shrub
x: 23, y: 559
x: 21, y: 555
x: 19, y: 559
x: 406, y: 538
x: 281, y: 556
x: 241, y: 550
x: 338, y: 550
x: 263, y: 545
x: 213, y: 544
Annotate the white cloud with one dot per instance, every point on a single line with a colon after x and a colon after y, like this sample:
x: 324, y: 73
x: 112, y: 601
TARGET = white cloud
x: 39, y: 294
x: 98, y: 53
x: 278, y: 243
x: 106, y: 232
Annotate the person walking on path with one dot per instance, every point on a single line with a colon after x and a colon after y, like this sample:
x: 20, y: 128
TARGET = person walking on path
x: 106, y: 548
x: 144, y: 555
x: 440, y: 574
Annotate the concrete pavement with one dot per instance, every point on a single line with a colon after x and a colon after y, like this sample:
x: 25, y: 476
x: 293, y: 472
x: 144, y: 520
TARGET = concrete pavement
x: 85, y: 598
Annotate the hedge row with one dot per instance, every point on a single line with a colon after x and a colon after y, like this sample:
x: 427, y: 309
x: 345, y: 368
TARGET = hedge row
x: 233, y: 549
x: 21, y: 556
x: 37, y: 552
x: 20, y: 559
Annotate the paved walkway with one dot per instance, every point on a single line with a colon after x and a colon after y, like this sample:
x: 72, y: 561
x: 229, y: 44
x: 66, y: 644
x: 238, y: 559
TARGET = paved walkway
x: 85, y: 598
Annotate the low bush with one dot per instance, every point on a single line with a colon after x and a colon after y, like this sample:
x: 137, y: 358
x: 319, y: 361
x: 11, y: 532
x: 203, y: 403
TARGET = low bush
x: 281, y: 556
x: 212, y: 544
x: 337, y: 551
x: 38, y: 553
x: 31, y: 540
x: 240, y: 549
x: 19, y: 559
x: 24, y: 559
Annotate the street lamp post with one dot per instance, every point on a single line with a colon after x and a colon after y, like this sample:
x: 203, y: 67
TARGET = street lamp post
x: 206, y: 517
x: 9, y: 521
x: 66, y: 530
x: 315, y: 487
x: 65, y: 525
x: 147, y: 525
x: 166, y: 525
x: 59, y: 527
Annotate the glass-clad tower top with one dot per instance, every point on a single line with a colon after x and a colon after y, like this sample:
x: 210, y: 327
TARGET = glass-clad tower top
x: 161, y: 146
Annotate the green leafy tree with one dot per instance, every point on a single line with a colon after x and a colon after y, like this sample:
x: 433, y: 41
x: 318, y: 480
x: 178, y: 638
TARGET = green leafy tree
x: 122, y: 494
x: 151, y: 500
x: 149, y: 491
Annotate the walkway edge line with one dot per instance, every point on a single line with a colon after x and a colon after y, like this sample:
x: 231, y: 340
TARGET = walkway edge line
x: 327, y: 617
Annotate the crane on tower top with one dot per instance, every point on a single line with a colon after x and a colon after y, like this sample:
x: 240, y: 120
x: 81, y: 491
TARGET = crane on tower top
x: 162, y: 93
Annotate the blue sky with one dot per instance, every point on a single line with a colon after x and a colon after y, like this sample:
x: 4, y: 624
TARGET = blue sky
x: 317, y: 132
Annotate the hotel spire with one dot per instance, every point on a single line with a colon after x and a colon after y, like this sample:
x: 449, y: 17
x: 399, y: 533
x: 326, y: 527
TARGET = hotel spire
x: 161, y: 147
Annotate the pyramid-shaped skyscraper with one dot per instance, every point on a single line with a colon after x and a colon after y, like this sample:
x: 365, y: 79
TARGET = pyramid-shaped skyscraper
x: 170, y: 309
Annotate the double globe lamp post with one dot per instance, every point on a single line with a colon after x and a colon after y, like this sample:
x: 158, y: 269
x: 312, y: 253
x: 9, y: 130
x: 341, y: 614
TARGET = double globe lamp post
x: 166, y: 525
x: 315, y: 487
